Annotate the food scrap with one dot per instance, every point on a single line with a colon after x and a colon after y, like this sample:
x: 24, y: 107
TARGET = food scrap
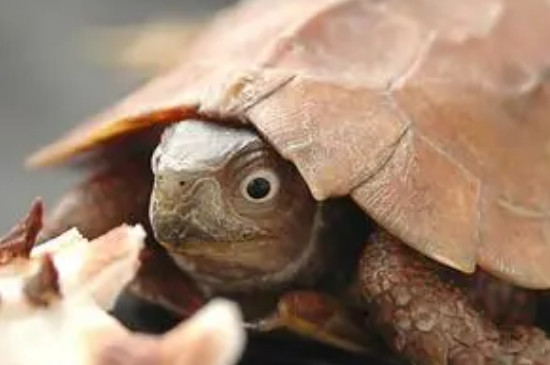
x: 55, y: 297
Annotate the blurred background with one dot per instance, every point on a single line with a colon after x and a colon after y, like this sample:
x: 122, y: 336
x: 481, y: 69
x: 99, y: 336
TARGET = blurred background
x: 52, y: 77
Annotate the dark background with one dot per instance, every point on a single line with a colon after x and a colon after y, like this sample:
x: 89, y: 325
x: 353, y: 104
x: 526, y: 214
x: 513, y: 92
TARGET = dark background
x: 49, y: 81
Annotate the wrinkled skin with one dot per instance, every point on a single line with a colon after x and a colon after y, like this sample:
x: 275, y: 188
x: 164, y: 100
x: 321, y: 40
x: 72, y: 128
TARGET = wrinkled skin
x: 240, y: 220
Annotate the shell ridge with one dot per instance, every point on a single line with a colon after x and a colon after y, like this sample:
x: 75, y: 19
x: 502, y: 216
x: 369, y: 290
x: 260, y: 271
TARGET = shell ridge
x: 291, y: 77
x: 289, y: 35
x: 408, y: 129
x: 522, y: 210
x: 471, y: 176
x: 448, y: 156
x: 423, y: 50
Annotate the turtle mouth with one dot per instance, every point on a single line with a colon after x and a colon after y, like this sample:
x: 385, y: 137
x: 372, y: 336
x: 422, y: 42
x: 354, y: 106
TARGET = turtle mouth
x: 228, y: 266
x: 206, y: 247
x: 228, y: 260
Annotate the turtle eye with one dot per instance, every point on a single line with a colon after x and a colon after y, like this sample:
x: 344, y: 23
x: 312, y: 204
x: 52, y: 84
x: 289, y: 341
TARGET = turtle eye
x: 260, y: 186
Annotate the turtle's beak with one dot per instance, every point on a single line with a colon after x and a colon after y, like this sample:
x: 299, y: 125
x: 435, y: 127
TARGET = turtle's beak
x: 162, y: 212
x: 175, y: 211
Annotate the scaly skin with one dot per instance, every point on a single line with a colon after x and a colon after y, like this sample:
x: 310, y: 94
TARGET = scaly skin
x: 429, y: 321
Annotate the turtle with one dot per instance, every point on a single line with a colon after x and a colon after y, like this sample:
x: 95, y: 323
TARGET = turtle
x: 342, y: 168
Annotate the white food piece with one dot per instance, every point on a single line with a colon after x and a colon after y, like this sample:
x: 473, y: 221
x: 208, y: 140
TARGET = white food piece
x: 90, y: 276
x: 75, y: 328
x: 214, y: 336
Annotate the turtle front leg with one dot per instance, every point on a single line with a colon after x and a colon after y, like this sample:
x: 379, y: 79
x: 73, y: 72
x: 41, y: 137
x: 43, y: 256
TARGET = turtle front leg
x: 319, y: 316
x: 429, y: 321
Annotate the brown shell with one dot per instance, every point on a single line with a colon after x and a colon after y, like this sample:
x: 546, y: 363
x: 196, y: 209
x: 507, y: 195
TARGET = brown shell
x: 434, y: 115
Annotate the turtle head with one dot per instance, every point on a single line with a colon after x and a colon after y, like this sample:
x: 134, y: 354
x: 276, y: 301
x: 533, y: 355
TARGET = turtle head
x: 228, y: 208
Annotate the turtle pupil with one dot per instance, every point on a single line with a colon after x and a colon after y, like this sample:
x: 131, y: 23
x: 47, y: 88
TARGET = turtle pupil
x: 258, y: 188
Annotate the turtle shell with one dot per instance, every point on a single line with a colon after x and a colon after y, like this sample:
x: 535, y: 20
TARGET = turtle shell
x: 434, y: 116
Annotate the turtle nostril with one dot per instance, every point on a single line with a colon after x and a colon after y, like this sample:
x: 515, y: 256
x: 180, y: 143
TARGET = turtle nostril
x: 182, y: 183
